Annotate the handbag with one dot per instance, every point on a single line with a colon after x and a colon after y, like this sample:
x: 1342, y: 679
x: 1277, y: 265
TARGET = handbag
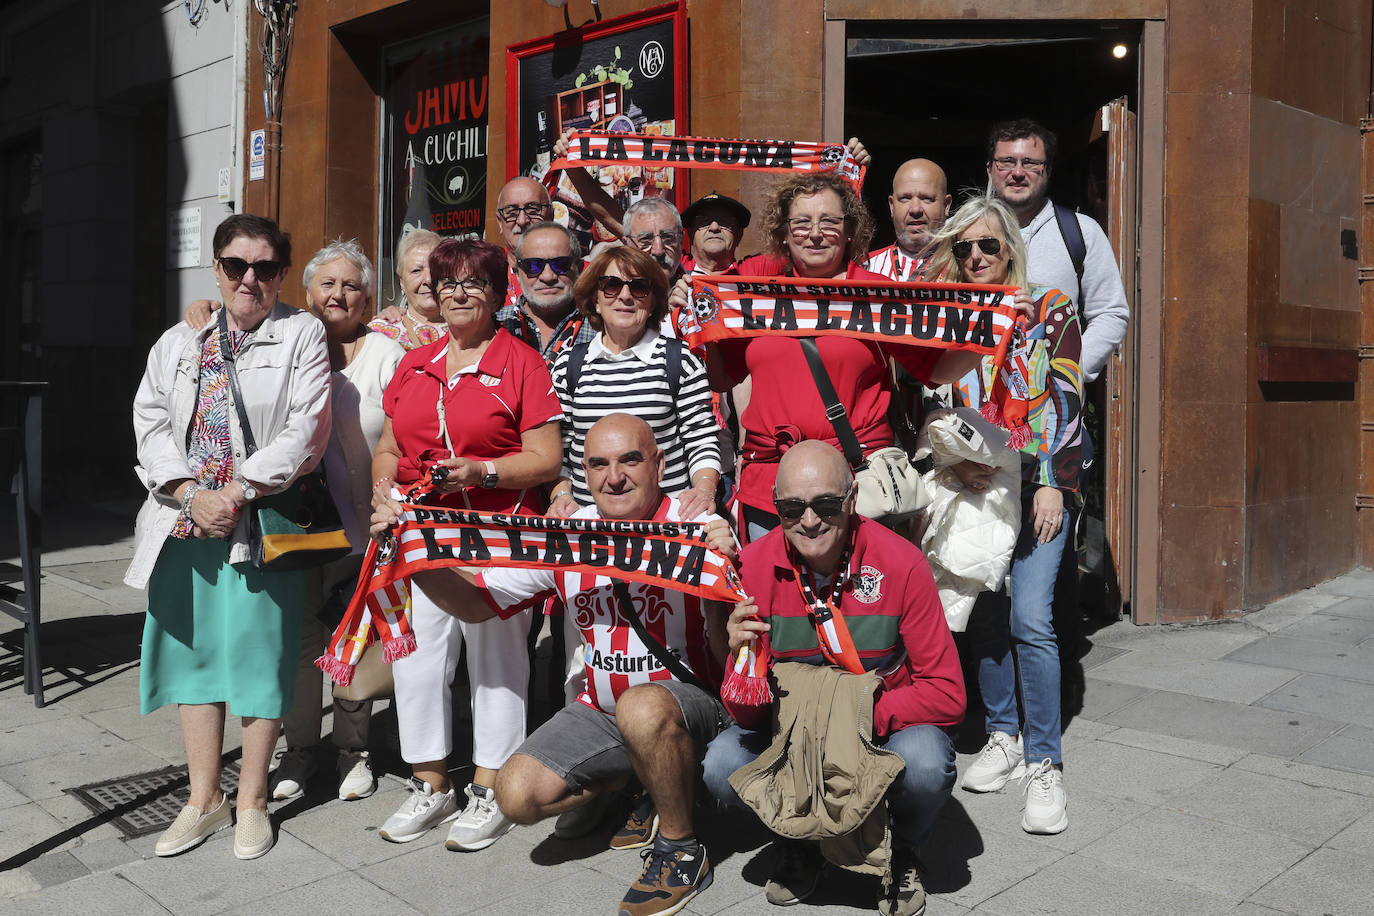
x: 889, y: 488
x: 298, y: 527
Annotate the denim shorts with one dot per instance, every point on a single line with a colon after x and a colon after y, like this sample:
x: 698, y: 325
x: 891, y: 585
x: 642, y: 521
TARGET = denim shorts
x: 584, y: 746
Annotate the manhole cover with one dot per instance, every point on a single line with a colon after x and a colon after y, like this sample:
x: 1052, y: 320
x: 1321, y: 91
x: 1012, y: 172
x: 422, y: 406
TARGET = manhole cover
x: 146, y: 802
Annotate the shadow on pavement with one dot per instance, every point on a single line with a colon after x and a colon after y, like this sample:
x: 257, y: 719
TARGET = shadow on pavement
x: 78, y: 654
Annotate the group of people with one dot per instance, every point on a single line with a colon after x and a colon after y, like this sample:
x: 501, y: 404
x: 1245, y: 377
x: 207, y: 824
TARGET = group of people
x: 549, y: 383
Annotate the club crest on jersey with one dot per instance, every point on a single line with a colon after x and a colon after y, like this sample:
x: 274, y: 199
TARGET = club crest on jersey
x: 491, y: 381
x: 868, y: 584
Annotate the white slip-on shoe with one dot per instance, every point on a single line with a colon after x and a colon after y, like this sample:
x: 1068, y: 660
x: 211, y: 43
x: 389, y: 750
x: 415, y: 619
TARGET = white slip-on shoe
x: 193, y: 827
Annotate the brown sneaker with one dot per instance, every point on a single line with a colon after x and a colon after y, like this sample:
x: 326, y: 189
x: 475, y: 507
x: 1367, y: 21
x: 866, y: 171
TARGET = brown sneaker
x: 640, y: 827
x: 668, y: 882
x: 901, y: 893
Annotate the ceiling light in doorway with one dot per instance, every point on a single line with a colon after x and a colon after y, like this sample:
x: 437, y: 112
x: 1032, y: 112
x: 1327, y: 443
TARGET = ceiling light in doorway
x: 1119, y: 51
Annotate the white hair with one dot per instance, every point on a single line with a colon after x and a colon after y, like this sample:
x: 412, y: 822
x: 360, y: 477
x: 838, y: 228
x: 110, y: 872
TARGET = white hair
x: 351, y: 252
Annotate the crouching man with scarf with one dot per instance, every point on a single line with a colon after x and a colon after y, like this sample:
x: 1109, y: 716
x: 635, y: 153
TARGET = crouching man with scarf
x: 637, y: 716
x: 834, y: 590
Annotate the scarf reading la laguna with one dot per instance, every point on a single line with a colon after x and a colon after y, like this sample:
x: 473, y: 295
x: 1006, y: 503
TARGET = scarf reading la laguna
x: 952, y: 316
x: 599, y: 147
x: 672, y: 555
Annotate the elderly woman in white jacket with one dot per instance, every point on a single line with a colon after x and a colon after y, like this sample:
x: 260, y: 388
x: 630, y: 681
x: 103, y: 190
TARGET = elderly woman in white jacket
x: 221, y: 636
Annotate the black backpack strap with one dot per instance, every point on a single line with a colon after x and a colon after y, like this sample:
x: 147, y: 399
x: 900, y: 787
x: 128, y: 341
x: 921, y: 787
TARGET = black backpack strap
x: 672, y: 357
x: 226, y: 353
x: 660, y: 651
x: 576, y: 357
x: 1072, y: 234
x: 834, y: 410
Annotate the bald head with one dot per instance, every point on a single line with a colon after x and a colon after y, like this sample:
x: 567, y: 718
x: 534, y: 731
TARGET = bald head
x: 919, y: 203
x: 812, y: 463
x: 622, y: 429
x: 521, y: 193
x: 623, y: 465
x: 809, y: 472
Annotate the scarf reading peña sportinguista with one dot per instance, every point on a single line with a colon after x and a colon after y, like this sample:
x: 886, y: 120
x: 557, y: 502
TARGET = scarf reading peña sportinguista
x: 671, y: 555
x: 599, y: 147
x: 951, y: 316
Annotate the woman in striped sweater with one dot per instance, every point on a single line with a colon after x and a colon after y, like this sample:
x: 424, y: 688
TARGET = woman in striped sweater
x: 633, y: 368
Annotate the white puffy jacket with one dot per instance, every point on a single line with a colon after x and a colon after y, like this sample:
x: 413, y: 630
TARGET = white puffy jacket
x: 970, y: 536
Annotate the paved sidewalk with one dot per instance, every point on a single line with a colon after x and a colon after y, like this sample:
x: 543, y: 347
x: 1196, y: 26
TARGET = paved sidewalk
x: 1226, y: 768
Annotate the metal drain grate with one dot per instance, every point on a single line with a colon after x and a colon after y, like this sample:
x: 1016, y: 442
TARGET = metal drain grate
x: 146, y: 802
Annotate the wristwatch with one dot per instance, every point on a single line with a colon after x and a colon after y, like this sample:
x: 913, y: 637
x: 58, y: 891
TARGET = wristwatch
x: 489, y: 481
x: 250, y: 492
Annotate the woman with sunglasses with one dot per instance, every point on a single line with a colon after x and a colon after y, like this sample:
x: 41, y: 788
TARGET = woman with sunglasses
x: 481, y: 404
x: 981, y: 243
x: 221, y: 636
x: 816, y: 225
x: 632, y: 367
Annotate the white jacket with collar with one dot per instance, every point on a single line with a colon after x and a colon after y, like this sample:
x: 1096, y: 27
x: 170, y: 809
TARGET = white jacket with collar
x: 283, y: 371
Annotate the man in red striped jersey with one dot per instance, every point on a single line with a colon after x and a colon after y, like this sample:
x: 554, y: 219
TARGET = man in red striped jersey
x: 918, y: 204
x: 637, y: 717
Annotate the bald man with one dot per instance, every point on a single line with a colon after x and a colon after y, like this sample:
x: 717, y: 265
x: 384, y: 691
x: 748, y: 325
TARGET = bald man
x: 825, y: 562
x: 918, y: 205
x: 635, y: 717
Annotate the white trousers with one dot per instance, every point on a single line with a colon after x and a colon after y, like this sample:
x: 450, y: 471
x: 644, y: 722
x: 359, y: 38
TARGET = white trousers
x: 498, y: 670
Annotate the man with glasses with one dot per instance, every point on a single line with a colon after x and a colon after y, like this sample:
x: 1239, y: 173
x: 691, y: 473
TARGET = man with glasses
x: 548, y: 260
x: 715, y: 223
x: 830, y: 587
x: 918, y: 205
x: 521, y: 203
x: 1064, y: 250
x: 654, y: 226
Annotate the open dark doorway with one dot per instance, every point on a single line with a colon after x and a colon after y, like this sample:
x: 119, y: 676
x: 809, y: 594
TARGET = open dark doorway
x: 932, y: 89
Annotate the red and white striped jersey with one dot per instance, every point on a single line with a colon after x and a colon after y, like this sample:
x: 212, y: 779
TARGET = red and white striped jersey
x: 896, y: 264
x: 615, y: 657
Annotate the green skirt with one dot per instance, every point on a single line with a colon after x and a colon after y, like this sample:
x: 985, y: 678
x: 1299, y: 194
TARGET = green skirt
x: 217, y: 633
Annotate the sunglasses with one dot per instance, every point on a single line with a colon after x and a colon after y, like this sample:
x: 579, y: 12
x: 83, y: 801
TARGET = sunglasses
x: 987, y: 245
x: 265, y: 271
x: 533, y: 267
x: 827, y: 506
x: 511, y: 213
x: 611, y: 286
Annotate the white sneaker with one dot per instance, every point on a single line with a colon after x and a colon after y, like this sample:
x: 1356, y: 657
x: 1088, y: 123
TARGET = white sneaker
x: 481, y: 823
x: 355, y: 776
x: 1001, y: 760
x: 294, y: 769
x: 422, y: 810
x: 1046, y: 802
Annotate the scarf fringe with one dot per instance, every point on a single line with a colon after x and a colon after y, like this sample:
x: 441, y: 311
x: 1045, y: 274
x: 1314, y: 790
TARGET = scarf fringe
x: 398, y: 647
x: 1018, y: 437
x: 744, y: 690
x: 339, y: 671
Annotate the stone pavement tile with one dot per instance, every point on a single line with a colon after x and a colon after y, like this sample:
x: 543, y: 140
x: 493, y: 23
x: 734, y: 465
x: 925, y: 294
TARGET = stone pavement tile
x: 10, y: 796
x: 209, y: 879
x: 345, y: 893
x: 105, y: 894
x: 1219, y: 858
x: 73, y: 815
x: 1177, y: 747
x: 1342, y: 752
x: 1330, y: 697
x: 1081, y: 731
x: 1361, y: 607
x: 17, y: 881
x: 1310, y: 775
x: 1161, y: 669
x: 1099, y: 654
x: 1358, y: 837
x: 57, y: 868
x: 1254, y: 909
x: 426, y: 878
x: 1130, y: 773
x: 1357, y: 582
x: 347, y: 831
x: 16, y: 707
x: 1101, y: 698
x: 1348, y: 631
x: 1283, y: 612
x: 1092, y: 815
x: 1264, y: 731
x: 25, y: 826
x: 74, y: 690
x: 129, y: 723
x: 107, y: 758
x: 1080, y: 886
x: 967, y: 862
x: 1186, y: 640
x: 103, y: 855
x: 1330, y: 881
x: 1311, y: 656
x: 1308, y: 814
x: 43, y: 739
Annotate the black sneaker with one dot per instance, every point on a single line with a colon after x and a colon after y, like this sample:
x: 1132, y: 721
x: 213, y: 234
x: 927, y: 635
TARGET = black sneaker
x: 901, y: 893
x: 796, y: 873
x: 670, y: 879
x: 640, y: 827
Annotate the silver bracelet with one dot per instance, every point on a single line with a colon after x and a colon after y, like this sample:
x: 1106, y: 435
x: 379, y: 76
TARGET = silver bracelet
x: 187, y: 495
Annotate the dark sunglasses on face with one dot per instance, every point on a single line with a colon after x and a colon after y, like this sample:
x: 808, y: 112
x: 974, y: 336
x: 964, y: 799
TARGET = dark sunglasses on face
x: 611, y: 286
x: 826, y: 506
x: 265, y: 271
x: 533, y: 267
x: 987, y: 245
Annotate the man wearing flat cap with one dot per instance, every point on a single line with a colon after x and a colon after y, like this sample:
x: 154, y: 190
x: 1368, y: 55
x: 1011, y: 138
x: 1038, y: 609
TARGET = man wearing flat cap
x: 714, y: 225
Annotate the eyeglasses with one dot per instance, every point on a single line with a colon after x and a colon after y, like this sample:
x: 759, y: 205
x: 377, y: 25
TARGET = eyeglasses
x: 473, y: 286
x: 987, y: 245
x: 511, y: 213
x: 533, y: 267
x: 645, y: 240
x: 802, y: 226
x: 1007, y: 163
x: 265, y: 271
x: 826, y: 506
x: 611, y: 286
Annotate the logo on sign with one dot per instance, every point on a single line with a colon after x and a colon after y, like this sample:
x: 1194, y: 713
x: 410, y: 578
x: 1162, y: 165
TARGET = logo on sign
x: 651, y: 59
